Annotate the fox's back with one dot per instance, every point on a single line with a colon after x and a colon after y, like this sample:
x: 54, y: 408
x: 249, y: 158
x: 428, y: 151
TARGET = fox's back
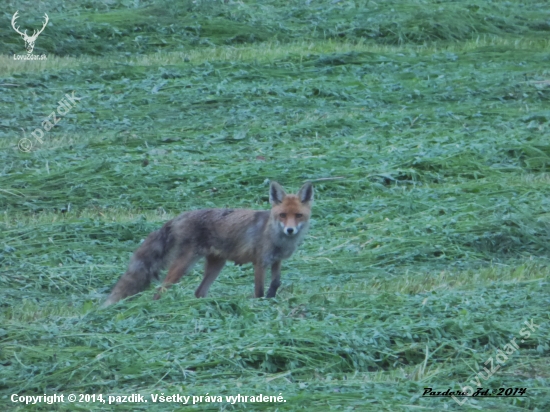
x: 233, y: 234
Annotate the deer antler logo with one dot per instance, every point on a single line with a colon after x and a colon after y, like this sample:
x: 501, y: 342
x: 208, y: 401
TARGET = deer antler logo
x: 29, y: 40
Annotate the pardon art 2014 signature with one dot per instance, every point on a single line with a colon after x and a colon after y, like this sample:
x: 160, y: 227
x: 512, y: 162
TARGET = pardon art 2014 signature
x: 481, y: 392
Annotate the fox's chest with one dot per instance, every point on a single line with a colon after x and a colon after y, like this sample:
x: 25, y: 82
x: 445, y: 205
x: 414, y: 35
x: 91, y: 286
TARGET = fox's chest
x: 282, y: 251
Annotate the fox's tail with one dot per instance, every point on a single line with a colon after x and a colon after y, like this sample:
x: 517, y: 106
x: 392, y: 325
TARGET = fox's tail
x: 146, y: 263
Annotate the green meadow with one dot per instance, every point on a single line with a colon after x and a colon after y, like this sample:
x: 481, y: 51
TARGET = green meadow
x: 425, y: 128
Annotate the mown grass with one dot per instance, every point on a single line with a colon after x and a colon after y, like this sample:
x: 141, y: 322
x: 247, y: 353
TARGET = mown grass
x: 424, y: 126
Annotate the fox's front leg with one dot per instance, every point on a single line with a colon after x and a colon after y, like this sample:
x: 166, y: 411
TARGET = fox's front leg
x: 259, y: 275
x: 275, y: 279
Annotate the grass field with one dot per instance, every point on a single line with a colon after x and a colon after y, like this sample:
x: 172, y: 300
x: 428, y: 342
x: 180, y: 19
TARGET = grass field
x: 425, y: 128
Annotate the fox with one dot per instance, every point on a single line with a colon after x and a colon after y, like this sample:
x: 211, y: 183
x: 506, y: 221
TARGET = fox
x: 261, y: 237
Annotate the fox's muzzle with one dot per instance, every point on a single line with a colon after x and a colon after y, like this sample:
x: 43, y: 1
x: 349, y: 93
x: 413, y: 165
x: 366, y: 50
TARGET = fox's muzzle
x: 290, y: 231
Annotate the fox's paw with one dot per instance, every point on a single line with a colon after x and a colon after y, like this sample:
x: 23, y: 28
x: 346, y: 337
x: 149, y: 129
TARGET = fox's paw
x: 159, y: 293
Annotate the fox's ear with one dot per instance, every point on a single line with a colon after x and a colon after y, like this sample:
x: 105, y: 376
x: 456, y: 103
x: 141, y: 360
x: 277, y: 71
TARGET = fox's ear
x: 276, y: 193
x: 306, y: 193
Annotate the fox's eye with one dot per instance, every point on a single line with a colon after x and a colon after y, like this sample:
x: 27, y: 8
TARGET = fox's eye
x: 298, y: 215
x: 282, y: 215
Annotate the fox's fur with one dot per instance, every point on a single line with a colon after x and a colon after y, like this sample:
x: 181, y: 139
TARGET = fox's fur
x: 263, y: 238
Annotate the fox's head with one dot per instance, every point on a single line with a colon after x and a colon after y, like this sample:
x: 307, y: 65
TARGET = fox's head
x: 291, y: 212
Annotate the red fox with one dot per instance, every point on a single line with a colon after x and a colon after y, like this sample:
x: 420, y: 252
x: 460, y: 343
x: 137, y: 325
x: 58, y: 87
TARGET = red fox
x: 264, y: 238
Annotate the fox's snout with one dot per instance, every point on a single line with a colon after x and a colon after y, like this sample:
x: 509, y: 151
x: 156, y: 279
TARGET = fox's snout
x: 290, y: 231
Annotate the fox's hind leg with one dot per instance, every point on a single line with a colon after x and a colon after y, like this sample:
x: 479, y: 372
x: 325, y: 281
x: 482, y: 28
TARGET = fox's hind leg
x: 180, y: 267
x: 212, y: 268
